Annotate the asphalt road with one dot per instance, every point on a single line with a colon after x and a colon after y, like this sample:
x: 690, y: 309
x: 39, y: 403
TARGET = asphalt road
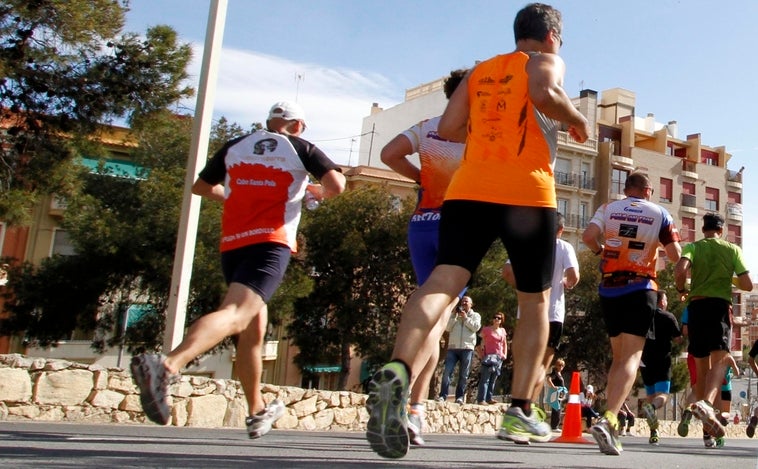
x: 61, y: 445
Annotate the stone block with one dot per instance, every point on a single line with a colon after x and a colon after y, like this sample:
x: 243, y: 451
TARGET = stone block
x: 121, y: 382
x: 131, y: 403
x: 323, y: 419
x: 307, y: 423
x: 179, y: 413
x: 57, y: 365
x: 15, y: 385
x: 26, y: 411
x: 52, y: 414
x: 107, y: 399
x: 101, y: 379
x: 236, y: 412
x: 346, y: 416
x: 66, y: 387
x: 206, y: 411
x: 287, y: 422
x: 181, y: 388
x: 305, y: 407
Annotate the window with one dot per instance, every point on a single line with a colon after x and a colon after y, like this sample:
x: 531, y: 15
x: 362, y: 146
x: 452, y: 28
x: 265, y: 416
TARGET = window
x: 562, y: 171
x: 711, y: 199
x: 584, y: 215
x: 586, y: 177
x: 734, y: 234
x: 667, y: 189
x: 618, y: 179
x: 688, y: 188
x: 711, y: 158
x: 688, y: 229
x: 563, y: 206
x: 731, y: 197
x: 62, y: 243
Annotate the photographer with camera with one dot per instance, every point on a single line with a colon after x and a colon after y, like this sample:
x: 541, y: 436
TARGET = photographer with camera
x: 462, y: 326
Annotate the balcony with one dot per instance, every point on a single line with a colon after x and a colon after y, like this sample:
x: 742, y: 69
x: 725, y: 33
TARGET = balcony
x: 270, y: 349
x: 578, y: 180
x: 689, y: 169
x: 734, y: 179
x: 589, y: 145
x: 689, y: 204
x: 574, y: 220
x: 734, y: 211
x: 622, y: 162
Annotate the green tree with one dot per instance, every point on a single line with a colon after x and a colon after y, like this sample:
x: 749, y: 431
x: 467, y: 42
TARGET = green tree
x: 67, y: 69
x: 355, y: 249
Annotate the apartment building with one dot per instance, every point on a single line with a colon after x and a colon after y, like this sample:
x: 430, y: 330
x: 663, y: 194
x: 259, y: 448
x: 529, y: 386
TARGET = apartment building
x: 690, y: 178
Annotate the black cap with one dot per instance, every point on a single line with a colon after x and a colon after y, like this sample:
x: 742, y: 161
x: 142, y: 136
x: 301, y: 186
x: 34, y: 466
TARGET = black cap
x: 712, y: 222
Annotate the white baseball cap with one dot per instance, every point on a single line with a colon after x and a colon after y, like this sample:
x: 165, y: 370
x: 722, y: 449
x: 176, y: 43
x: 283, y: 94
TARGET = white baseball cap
x: 287, y: 110
x: 590, y: 388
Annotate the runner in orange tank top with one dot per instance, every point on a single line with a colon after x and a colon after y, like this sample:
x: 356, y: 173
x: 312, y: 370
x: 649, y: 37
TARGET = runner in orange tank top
x: 504, y: 112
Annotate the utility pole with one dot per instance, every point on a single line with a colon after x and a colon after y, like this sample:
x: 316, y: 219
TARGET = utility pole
x: 176, y: 313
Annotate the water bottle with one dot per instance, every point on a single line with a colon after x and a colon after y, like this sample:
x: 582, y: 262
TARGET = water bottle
x: 311, y: 202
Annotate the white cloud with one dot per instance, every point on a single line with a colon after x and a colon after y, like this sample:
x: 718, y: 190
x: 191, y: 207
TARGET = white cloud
x: 335, y: 100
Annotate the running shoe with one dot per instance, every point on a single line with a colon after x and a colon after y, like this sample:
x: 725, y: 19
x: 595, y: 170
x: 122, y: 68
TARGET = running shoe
x: 605, y: 435
x: 720, y: 442
x: 711, y: 425
x: 684, y: 425
x: 387, y: 428
x: 519, y: 428
x: 649, y: 411
x: 260, y: 423
x: 152, y: 379
x: 708, y: 441
x: 653, y: 438
x: 539, y: 414
x: 415, y: 422
x: 751, y: 426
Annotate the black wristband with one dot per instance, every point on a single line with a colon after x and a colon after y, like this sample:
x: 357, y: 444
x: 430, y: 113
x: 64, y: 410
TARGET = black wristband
x: 599, y: 251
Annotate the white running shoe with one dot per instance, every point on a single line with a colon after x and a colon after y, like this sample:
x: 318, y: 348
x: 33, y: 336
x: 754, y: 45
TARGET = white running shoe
x: 260, y: 423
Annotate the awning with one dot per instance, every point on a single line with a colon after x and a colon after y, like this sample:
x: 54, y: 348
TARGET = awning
x: 116, y: 168
x: 137, y: 311
x: 323, y: 368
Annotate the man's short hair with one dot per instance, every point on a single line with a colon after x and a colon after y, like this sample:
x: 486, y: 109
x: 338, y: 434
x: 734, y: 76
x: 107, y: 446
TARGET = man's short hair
x: 637, y: 181
x: 535, y: 21
x: 712, y: 222
x: 560, y: 221
x: 452, y: 81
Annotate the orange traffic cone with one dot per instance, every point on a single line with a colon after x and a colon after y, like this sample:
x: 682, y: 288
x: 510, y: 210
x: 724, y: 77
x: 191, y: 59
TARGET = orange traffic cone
x: 572, y: 421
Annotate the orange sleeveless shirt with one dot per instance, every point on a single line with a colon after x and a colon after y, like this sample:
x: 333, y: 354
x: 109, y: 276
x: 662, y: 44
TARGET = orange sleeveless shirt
x: 511, y: 146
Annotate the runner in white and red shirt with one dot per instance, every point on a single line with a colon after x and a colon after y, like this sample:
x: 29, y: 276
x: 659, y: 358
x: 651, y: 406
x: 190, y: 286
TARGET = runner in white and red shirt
x: 261, y: 178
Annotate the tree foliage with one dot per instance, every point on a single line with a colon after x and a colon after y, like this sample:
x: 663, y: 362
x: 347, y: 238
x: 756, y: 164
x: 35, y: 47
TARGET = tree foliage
x: 66, y: 68
x: 124, y: 232
x: 356, y: 251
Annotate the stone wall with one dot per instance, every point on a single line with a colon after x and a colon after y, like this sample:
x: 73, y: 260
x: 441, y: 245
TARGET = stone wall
x: 58, y: 390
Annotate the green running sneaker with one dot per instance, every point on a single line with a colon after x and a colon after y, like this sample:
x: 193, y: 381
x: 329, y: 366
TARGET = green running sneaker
x: 684, y: 425
x: 387, y: 428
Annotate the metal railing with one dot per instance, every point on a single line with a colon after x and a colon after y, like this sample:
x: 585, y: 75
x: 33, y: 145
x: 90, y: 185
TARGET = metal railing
x: 575, y: 180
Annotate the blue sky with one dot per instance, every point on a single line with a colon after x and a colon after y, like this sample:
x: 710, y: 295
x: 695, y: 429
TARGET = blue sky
x: 690, y: 61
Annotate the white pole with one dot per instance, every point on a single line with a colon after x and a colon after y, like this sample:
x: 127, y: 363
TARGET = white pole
x: 185, y: 242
